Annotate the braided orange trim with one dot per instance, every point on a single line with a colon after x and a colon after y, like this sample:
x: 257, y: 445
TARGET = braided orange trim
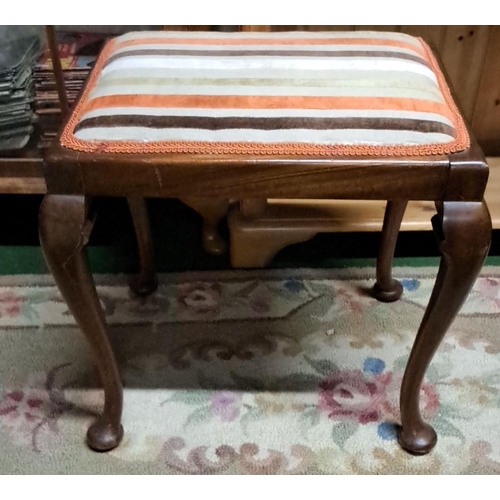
x: 68, y: 140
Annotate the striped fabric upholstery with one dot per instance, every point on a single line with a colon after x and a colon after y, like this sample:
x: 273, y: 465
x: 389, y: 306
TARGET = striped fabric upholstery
x: 346, y: 93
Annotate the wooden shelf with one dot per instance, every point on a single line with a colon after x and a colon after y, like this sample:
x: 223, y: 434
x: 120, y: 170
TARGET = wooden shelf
x: 21, y: 172
x: 492, y: 195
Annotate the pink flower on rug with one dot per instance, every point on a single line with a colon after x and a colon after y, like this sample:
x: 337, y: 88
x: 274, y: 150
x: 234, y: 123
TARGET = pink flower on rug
x: 17, y: 404
x: 429, y: 400
x: 260, y: 304
x: 489, y: 288
x: 29, y: 412
x: 348, y: 395
x: 353, y: 299
x: 226, y: 405
x: 23, y: 412
x: 10, y: 305
x: 199, y: 300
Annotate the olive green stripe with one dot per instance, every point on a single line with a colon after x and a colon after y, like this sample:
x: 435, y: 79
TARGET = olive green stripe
x: 410, y: 84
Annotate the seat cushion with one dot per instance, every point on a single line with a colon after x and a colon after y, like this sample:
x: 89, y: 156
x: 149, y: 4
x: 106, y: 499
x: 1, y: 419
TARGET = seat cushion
x: 296, y: 93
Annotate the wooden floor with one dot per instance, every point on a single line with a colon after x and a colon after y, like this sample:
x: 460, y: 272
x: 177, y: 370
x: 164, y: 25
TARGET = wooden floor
x: 353, y: 216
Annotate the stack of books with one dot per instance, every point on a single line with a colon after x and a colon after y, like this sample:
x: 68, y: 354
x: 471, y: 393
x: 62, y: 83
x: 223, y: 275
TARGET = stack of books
x: 78, y: 52
x: 19, y: 48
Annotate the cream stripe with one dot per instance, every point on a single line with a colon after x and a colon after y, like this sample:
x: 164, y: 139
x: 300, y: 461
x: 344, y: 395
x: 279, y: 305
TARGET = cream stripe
x: 344, y: 137
x: 262, y: 91
x: 338, y: 76
x: 266, y: 63
x: 269, y: 113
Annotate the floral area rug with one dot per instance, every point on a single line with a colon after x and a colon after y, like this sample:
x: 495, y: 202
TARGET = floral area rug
x: 261, y: 372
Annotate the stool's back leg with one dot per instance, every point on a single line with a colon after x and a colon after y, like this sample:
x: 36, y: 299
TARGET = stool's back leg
x: 145, y: 282
x: 464, y: 233
x: 387, y: 289
x: 64, y: 232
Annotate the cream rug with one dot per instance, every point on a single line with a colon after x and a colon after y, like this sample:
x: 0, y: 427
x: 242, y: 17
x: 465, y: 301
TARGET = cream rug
x: 262, y: 372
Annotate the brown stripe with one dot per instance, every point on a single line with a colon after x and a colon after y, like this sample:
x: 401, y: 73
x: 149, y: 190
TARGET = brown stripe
x: 237, y: 122
x: 269, y: 53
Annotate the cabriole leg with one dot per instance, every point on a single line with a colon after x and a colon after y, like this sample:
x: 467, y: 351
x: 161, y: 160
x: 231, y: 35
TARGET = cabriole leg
x: 464, y: 234
x: 65, y: 228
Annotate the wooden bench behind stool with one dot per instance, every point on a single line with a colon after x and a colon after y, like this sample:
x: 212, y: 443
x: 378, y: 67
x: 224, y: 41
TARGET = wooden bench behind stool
x: 259, y: 230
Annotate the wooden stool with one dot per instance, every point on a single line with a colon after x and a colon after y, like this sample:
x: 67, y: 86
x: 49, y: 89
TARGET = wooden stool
x: 252, y: 116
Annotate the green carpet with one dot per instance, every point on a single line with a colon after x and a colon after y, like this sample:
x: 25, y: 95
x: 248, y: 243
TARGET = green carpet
x: 261, y: 372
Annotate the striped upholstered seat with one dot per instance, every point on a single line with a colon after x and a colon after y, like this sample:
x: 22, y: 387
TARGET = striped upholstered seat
x: 349, y: 93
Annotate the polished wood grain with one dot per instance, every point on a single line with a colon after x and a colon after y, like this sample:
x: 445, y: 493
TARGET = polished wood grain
x: 237, y: 176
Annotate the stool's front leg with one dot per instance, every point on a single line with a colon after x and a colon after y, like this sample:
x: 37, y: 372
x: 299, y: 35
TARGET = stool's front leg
x: 387, y: 289
x: 64, y: 231
x: 464, y: 235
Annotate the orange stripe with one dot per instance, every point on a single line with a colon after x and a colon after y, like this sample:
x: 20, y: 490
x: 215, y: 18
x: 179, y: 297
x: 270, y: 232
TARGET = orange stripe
x: 266, y: 102
x: 269, y: 41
